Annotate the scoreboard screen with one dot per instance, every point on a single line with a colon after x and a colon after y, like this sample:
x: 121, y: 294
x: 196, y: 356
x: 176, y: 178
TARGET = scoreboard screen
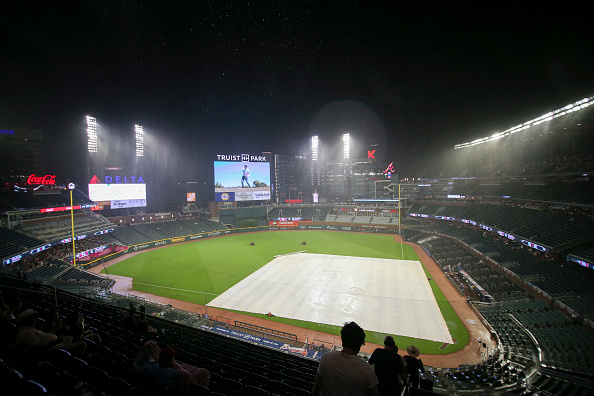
x: 241, y: 178
x: 119, y: 195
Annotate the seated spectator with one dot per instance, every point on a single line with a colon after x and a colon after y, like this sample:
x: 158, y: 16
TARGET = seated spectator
x: 31, y: 338
x: 167, y: 374
x: 151, y: 360
x: 5, y: 311
x: 53, y: 322
x: 142, y: 326
x: 76, y: 328
x: 130, y: 319
x: 148, y: 357
x: 16, y: 308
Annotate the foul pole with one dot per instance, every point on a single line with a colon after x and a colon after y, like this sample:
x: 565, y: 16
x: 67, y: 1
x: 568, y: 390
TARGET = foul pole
x: 71, y: 187
x: 399, y: 210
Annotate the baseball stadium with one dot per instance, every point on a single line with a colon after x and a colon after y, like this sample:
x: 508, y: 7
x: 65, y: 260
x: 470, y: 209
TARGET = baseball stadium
x: 486, y: 267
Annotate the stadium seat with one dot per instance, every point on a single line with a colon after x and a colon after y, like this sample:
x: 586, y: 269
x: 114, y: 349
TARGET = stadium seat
x: 199, y: 390
x: 95, y: 376
x: 256, y: 390
x: 117, y: 386
x: 59, y: 358
x: 75, y: 366
x: 10, y: 378
x: 31, y: 388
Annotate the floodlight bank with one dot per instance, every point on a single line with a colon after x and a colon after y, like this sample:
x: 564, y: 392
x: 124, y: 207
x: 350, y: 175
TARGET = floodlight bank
x: 570, y: 108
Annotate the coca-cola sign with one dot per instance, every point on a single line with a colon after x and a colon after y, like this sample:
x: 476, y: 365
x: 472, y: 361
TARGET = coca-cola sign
x: 47, y: 180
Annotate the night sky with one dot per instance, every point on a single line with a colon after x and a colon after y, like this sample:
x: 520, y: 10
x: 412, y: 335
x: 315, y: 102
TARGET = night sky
x: 247, y: 76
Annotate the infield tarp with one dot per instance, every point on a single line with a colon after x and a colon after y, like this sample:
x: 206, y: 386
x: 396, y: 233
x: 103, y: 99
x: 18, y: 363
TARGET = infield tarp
x: 382, y: 295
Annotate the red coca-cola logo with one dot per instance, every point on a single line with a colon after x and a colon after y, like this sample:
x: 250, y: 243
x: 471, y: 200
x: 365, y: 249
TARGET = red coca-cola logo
x: 47, y: 180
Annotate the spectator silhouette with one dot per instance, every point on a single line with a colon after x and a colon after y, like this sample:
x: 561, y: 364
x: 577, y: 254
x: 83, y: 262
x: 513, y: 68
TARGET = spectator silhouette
x: 130, y: 319
x: 343, y: 372
x: 142, y: 326
x: 76, y: 328
x: 389, y: 367
x: 167, y: 374
x: 413, y: 364
x: 157, y: 364
x: 53, y: 322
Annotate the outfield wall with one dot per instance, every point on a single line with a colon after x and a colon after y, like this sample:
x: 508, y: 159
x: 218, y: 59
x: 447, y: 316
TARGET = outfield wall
x: 194, y: 237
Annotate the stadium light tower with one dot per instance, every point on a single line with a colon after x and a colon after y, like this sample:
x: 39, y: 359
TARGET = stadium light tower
x: 346, y: 142
x: 139, y: 132
x: 92, y: 134
x: 570, y: 108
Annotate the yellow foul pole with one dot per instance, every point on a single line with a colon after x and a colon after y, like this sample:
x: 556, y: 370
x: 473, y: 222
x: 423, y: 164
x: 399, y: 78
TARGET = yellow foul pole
x: 399, y: 210
x: 72, y: 226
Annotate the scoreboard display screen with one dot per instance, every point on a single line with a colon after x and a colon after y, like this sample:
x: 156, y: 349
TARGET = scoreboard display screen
x: 241, y: 177
x: 119, y: 195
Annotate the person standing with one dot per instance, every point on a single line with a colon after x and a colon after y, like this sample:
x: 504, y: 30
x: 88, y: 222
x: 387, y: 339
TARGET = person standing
x: 244, y: 177
x: 343, y: 372
x: 413, y: 364
x: 389, y: 367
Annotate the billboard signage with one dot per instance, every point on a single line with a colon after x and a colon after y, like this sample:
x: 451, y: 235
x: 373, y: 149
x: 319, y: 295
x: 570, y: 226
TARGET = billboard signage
x: 128, y: 203
x: 63, y: 208
x: 124, y: 179
x: 47, y: 180
x: 224, y: 196
x: 241, y: 158
x: 241, y: 177
x: 117, y: 179
x: 281, y: 223
x: 580, y: 262
x: 534, y: 245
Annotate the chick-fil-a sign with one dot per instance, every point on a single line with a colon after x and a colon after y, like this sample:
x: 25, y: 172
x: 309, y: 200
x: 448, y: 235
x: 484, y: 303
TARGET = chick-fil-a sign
x: 47, y: 180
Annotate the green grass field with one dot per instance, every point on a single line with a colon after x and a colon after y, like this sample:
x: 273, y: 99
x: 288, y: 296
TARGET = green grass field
x: 198, y: 272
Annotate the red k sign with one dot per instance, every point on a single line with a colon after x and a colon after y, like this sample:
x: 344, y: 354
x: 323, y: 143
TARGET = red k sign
x: 47, y: 180
x: 370, y: 153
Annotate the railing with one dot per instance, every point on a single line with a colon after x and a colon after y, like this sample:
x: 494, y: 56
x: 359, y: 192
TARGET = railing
x: 266, y: 330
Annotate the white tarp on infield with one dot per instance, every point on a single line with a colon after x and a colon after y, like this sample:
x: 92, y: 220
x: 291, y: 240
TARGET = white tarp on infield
x: 387, y: 296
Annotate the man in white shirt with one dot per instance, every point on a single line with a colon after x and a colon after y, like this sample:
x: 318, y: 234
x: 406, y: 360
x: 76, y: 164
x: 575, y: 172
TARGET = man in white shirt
x: 343, y: 372
x: 244, y: 177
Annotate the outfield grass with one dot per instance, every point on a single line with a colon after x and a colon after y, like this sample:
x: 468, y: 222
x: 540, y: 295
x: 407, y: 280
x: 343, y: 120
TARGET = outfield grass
x: 198, y: 272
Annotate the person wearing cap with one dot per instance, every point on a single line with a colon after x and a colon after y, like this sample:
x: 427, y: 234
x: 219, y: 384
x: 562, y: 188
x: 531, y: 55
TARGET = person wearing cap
x: 389, y: 367
x: 413, y: 364
x: 343, y: 372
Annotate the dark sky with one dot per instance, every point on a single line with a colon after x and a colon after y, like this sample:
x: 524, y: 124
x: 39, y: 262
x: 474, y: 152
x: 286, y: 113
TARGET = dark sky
x: 226, y: 76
